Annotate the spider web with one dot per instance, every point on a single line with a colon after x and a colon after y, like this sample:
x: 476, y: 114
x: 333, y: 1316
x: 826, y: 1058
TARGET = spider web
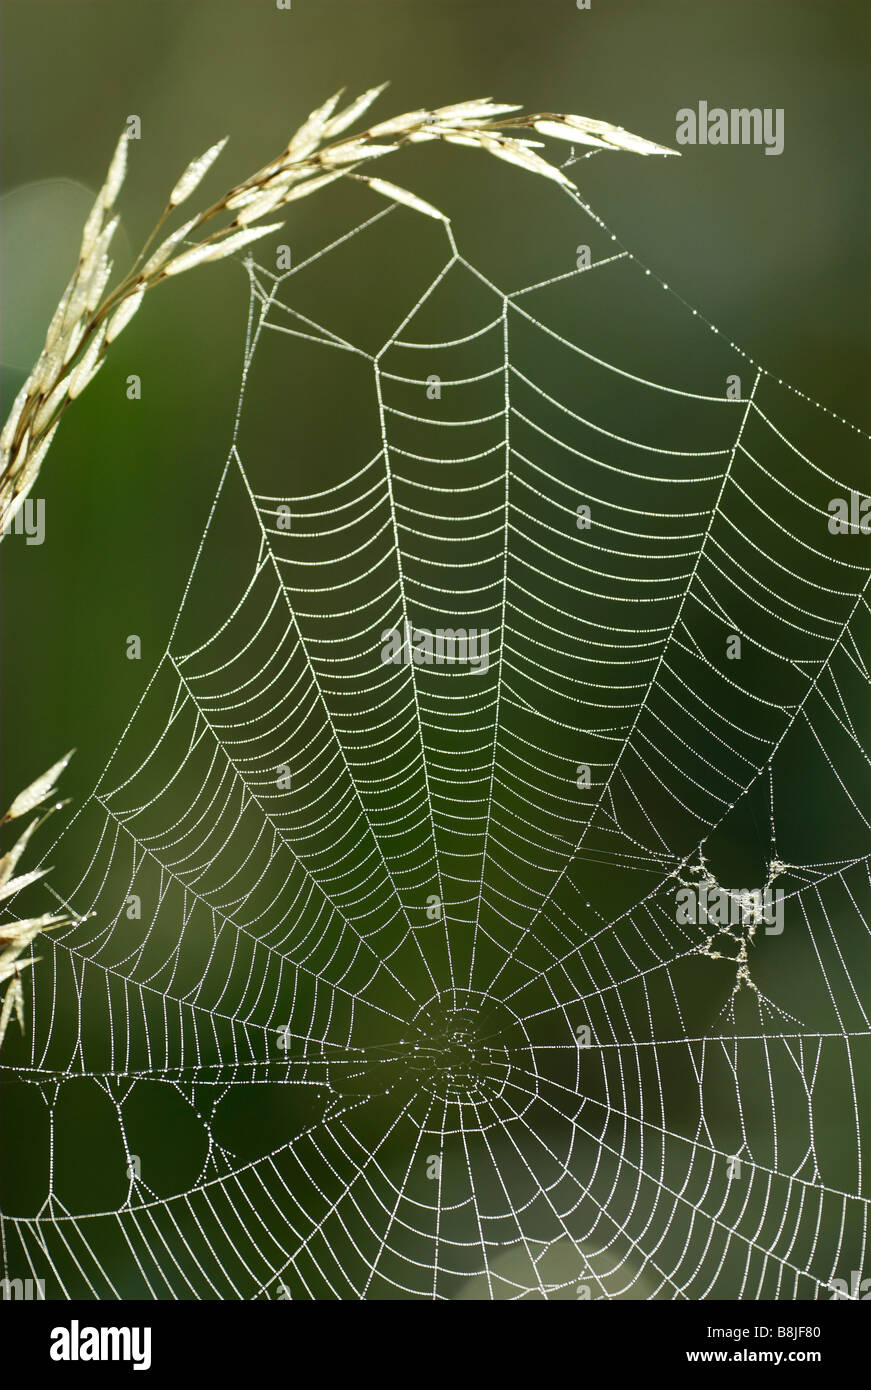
x: 374, y: 994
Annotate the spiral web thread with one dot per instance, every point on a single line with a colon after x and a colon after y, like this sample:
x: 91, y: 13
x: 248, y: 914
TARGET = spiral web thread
x: 412, y: 932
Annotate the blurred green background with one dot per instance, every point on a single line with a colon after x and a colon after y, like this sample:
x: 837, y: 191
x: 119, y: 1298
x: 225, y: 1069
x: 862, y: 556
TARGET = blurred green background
x: 774, y: 251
